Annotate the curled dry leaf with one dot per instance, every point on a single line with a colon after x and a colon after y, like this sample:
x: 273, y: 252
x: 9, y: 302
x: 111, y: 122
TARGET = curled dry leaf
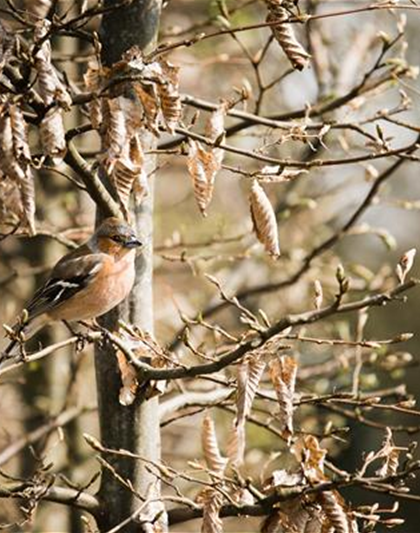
x: 214, y: 459
x: 264, y: 219
x: 15, y: 160
x: 115, y: 135
x: 51, y: 89
x: 54, y: 95
x: 293, y: 517
x: 248, y: 377
x: 283, y: 372
x: 311, y: 457
x: 145, y: 348
x: 129, y: 380
x: 149, y: 89
x: 333, y: 506
x: 128, y: 172
x: 236, y: 444
x: 212, y: 502
x: 202, y: 166
x: 131, y: 95
x: 147, y: 95
x: 53, y: 136
x: 92, y: 79
x: 285, y: 35
x: 168, y: 91
x: 282, y: 478
x: 390, y: 455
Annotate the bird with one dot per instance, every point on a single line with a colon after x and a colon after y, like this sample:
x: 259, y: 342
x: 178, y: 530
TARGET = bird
x: 85, y: 283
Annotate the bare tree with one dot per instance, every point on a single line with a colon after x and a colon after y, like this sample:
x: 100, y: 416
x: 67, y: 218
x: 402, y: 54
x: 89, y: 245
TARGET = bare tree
x: 292, y: 122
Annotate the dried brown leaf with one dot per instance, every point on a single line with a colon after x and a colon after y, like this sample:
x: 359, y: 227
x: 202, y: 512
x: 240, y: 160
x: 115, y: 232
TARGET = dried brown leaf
x: 202, y: 167
x: 51, y: 89
x: 145, y: 348
x: 147, y: 95
x: 214, y: 459
x: 285, y: 35
x: 333, y: 506
x: 390, y: 455
x: 168, y: 91
x: 114, y: 132
x: 212, y: 502
x: 128, y: 379
x: 264, y: 219
x: 248, y: 377
x: 236, y: 444
x: 129, y: 172
x: 283, y: 372
x: 15, y: 160
x: 311, y: 456
x: 53, y: 137
x: 93, y: 81
x: 292, y: 517
x: 20, y: 135
x: 282, y: 478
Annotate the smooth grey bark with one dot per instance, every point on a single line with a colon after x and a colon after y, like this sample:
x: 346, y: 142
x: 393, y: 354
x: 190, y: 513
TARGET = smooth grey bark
x: 135, y: 427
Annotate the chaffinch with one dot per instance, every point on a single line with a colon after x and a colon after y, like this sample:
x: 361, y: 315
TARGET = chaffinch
x: 86, y: 283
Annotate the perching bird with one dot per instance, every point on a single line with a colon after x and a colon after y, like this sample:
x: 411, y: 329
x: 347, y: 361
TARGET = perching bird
x: 86, y: 283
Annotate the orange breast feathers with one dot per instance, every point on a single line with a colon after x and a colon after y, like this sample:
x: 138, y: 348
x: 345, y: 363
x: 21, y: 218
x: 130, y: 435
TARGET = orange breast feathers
x: 111, y: 286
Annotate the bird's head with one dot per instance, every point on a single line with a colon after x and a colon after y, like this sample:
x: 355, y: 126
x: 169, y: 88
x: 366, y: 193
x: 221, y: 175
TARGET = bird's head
x: 116, y: 237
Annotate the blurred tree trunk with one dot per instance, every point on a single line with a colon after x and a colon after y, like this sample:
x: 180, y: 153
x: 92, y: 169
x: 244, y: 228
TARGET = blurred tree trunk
x: 136, y: 427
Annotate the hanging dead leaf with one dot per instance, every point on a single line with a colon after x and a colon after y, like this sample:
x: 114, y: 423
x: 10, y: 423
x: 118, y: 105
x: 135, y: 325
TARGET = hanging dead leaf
x: 334, y: 508
x: 203, y: 167
x: 145, y: 348
x: 93, y: 81
x: 20, y: 135
x: 285, y: 35
x: 212, y: 502
x: 53, y: 137
x: 115, y: 135
x: 311, y: 456
x: 236, y: 444
x: 128, y: 171
x: 248, y: 377
x: 15, y: 159
x: 168, y: 91
x: 214, y: 459
x: 147, y: 95
x: 129, y: 380
x: 51, y: 89
x: 264, y: 219
x: 283, y: 372
x: 293, y: 517
x: 390, y: 454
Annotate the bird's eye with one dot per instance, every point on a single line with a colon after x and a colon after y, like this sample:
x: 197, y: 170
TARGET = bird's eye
x: 117, y: 238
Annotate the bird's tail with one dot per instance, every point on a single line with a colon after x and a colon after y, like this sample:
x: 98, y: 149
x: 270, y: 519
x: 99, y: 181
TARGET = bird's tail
x: 22, y: 333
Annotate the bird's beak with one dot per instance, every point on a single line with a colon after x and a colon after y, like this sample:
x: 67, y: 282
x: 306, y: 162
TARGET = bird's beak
x: 133, y: 243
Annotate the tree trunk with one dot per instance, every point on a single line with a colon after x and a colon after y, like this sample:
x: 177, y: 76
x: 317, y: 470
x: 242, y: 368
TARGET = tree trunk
x: 136, y: 427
